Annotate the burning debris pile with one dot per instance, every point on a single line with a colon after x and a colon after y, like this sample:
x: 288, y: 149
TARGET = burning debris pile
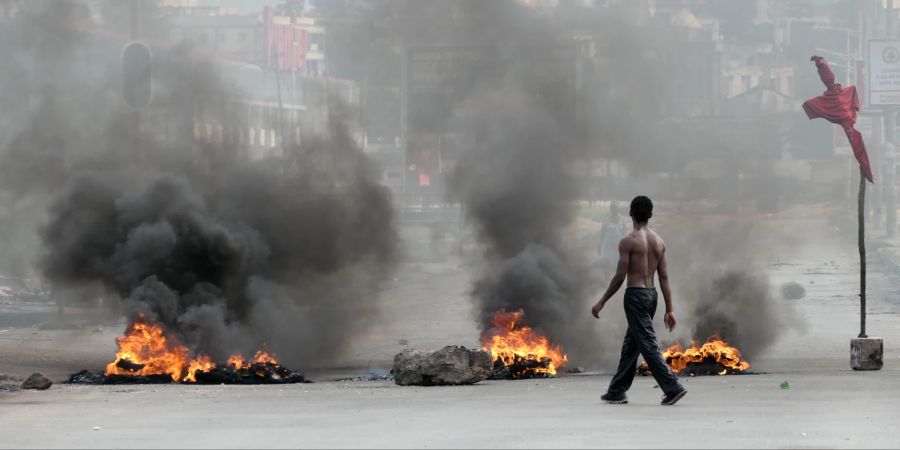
x: 519, y: 351
x: 715, y: 357
x: 147, y: 355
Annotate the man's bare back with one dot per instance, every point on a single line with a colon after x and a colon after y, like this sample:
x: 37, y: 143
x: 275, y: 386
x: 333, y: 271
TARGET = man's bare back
x: 642, y: 254
x: 645, y: 251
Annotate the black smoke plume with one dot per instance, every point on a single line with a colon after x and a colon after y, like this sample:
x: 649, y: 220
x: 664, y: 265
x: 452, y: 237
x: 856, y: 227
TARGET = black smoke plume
x: 722, y: 285
x: 515, y: 179
x: 533, y: 130
x: 228, y: 252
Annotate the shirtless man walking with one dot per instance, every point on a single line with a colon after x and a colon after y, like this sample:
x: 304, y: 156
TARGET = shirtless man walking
x: 641, y: 254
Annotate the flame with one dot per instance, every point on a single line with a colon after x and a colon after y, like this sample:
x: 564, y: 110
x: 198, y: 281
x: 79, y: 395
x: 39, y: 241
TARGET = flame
x: 202, y: 364
x: 511, y: 345
x: 146, y: 350
x: 715, y: 349
x: 263, y: 356
x: 237, y: 361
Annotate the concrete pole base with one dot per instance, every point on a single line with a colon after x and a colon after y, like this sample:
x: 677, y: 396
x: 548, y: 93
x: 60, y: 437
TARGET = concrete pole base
x: 866, y: 353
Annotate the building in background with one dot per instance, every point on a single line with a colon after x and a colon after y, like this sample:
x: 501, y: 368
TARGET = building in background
x: 282, y: 37
x: 194, y: 8
x: 229, y: 36
x: 274, y: 60
x: 293, y: 41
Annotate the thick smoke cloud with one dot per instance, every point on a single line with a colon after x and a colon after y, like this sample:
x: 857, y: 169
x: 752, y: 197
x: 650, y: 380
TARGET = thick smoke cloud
x: 34, y: 52
x: 515, y: 180
x: 721, y: 283
x: 740, y: 307
x: 520, y: 178
x: 287, y: 251
x: 291, y: 250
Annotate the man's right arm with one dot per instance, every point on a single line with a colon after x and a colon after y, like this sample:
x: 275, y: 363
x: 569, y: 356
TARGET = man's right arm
x: 617, y: 279
x: 662, y: 270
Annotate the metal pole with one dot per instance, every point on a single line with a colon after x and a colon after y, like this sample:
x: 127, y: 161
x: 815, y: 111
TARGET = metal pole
x: 886, y: 163
x: 404, y: 126
x: 888, y: 171
x: 861, y: 202
x: 135, y: 19
x: 280, y: 108
x: 136, y: 119
x: 847, y: 59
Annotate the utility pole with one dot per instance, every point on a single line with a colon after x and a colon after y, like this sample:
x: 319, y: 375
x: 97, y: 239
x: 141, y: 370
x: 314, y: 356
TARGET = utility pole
x: 868, y: 353
x: 135, y: 35
x: 887, y: 156
x: 280, y: 102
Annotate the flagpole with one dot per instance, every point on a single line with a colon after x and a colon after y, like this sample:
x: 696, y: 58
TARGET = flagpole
x: 861, y: 206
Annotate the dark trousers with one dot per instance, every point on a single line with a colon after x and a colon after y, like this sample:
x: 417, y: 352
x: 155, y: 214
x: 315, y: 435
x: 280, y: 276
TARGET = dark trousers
x: 640, y: 306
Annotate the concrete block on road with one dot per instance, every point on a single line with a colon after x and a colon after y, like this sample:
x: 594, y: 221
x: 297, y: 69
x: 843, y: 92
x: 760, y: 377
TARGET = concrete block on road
x: 866, y: 353
x: 452, y: 365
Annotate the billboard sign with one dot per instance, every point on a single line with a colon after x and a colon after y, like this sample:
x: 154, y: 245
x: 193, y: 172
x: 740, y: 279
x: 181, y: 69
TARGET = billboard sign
x: 884, y: 73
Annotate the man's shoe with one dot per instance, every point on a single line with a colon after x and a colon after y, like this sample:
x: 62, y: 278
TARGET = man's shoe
x: 669, y: 400
x: 614, y: 399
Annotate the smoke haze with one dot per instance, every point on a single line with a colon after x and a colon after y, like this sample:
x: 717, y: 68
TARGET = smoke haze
x: 518, y: 180
x: 291, y: 250
x: 229, y: 253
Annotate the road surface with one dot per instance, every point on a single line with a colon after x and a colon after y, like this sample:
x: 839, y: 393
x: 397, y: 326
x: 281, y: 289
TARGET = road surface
x: 826, y: 404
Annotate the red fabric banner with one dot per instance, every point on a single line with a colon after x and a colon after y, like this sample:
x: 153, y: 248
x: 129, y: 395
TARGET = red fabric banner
x: 839, y: 105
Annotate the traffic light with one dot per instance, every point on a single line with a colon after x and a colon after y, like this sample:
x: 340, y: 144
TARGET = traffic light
x: 137, y: 62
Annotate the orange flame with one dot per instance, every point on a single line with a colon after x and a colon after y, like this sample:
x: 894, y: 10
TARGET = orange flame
x: 146, y: 350
x: 714, y: 349
x: 202, y: 364
x: 146, y: 347
x: 510, y: 344
x: 237, y: 361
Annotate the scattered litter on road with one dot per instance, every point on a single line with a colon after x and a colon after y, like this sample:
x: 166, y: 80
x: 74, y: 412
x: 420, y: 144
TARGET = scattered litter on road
x: 96, y: 428
x: 785, y: 385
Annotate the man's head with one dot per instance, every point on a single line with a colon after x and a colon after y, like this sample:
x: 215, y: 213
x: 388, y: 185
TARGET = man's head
x: 641, y: 209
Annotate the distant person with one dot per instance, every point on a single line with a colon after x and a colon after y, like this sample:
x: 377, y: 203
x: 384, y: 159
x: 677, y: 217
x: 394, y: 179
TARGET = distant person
x: 614, y: 226
x: 641, y: 254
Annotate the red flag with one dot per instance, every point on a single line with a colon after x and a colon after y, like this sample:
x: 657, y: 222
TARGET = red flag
x: 839, y: 105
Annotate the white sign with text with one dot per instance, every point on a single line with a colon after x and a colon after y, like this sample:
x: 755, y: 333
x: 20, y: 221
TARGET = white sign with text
x: 884, y: 73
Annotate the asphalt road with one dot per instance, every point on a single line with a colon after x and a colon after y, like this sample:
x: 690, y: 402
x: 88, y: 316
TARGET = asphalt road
x: 826, y: 404
x: 832, y: 409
